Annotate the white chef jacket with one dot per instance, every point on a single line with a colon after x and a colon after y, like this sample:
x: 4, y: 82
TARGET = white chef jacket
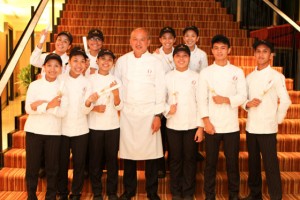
x: 78, y: 90
x: 37, y: 59
x: 198, y: 60
x: 143, y: 97
x: 167, y: 60
x: 183, y: 90
x: 269, y: 86
x: 42, y: 121
x: 93, y: 64
x: 228, y: 81
x: 108, y: 120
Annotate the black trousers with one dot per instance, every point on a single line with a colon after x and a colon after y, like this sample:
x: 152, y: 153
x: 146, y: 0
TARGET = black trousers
x: 36, y: 146
x: 78, y: 147
x: 183, y: 163
x: 161, y: 161
x: 104, y: 147
x: 231, y: 143
x: 130, y: 176
x: 263, y: 145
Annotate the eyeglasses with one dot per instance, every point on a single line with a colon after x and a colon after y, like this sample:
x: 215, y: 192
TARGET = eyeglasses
x: 95, y: 39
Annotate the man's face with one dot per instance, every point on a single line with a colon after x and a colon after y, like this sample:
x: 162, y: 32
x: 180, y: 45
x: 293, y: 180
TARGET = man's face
x: 139, y: 42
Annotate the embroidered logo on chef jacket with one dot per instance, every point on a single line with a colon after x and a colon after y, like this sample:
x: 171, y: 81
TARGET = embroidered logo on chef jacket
x: 83, y: 91
x: 149, y: 72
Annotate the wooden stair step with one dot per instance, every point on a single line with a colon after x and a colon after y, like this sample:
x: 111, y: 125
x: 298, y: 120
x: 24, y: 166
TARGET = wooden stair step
x: 168, y: 4
x: 147, y: 23
x: 13, y: 179
x: 11, y: 195
x: 164, y: 10
x: 149, y: 16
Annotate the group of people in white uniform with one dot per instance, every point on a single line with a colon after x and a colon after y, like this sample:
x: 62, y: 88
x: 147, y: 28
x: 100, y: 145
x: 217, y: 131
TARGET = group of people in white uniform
x: 86, y: 105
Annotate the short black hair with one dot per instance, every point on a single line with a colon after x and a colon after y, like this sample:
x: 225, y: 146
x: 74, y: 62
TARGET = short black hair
x: 220, y: 38
x: 263, y: 42
x: 77, y: 51
x: 192, y: 28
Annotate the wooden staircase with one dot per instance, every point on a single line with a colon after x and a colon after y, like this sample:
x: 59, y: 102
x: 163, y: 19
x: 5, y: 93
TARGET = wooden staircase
x: 117, y: 18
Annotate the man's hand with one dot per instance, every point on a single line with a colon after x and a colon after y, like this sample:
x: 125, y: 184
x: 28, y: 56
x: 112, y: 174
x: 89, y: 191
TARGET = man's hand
x: 99, y: 108
x: 220, y: 99
x: 156, y: 123
x: 37, y: 103
x: 253, y: 103
x: 173, y: 109
x: 199, y: 136
x: 208, y: 126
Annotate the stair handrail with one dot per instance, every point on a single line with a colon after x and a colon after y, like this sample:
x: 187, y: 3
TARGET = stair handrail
x: 282, y: 14
x: 18, y: 50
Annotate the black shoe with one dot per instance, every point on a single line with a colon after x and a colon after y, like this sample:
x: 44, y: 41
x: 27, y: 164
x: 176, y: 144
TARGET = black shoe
x: 188, y: 198
x: 86, y: 174
x: 199, y: 157
x: 153, y: 196
x: 176, y: 197
x: 250, y: 197
x: 98, y: 197
x: 63, y: 197
x: 113, y: 197
x: 42, y: 173
x: 125, y: 196
x: 74, y: 197
x: 161, y: 174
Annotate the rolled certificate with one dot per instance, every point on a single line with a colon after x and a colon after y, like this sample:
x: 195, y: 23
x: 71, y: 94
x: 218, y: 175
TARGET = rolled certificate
x: 43, y: 37
x: 108, y: 89
x: 85, y: 44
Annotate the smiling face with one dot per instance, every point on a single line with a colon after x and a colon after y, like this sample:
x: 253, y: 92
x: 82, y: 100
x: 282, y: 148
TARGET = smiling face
x: 181, y: 60
x: 52, y: 70
x: 62, y: 44
x: 220, y: 52
x: 77, y: 65
x: 139, y: 42
x: 263, y: 56
x: 190, y: 38
x: 105, y: 63
x: 95, y: 44
x: 167, y: 40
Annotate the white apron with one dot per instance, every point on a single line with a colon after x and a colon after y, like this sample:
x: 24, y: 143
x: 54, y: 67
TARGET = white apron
x: 137, y: 142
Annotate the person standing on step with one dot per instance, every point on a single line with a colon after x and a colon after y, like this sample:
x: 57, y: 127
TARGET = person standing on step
x: 184, y: 125
x: 75, y: 125
x: 142, y: 78
x: 222, y: 91
x: 63, y: 43
x: 167, y: 38
x: 95, y: 41
x: 45, y: 107
x: 198, y: 58
x: 104, y: 127
x: 266, y: 87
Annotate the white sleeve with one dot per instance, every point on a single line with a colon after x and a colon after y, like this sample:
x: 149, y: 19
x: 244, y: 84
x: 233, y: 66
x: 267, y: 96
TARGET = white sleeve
x: 37, y: 58
x: 31, y: 98
x: 284, y: 98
